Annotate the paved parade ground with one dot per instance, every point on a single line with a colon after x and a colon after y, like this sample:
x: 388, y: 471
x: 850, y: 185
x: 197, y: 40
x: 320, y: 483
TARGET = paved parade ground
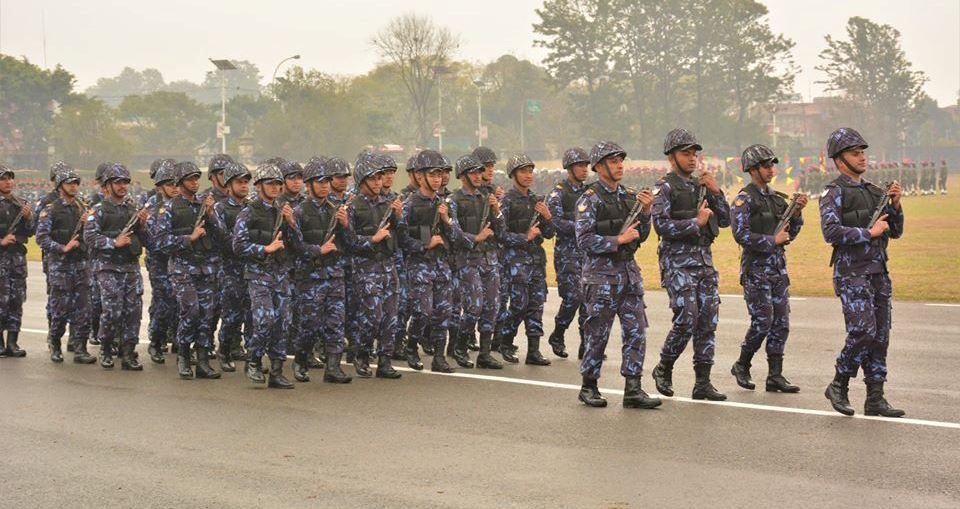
x: 81, y: 436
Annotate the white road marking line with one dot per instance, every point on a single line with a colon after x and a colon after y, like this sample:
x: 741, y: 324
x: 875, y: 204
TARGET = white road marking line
x: 619, y: 392
x: 943, y: 305
x: 732, y: 295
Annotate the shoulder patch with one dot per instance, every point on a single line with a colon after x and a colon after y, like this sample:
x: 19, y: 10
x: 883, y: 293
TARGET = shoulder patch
x: 160, y: 210
x: 656, y: 190
x: 559, y: 186
x: 555, y: 193
x: 582, y: 207
x: 782, y: 195
x: 738, y: 202
x: 43, y: 213
x: 588, y: 192
x: 632, y: 190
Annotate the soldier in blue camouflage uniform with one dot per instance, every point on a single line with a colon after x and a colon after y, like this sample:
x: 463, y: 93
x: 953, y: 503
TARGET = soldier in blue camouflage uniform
x: 319, y: 243
x: 55, y: 169
x: 475, y: 217
x: 339, y: 171
x: 187, y: 232
x: 15, y: 217
x: 96, y: 308
x: 860, y: 276
x: 756, y: 214
x: 234, y: 299
x: 59, y: 229
x: 426, y: 235
x: 389, y: 173
x: 488, y: 158
x: 216, y: 173
x: 567, y: 256
x: 688, y: 213
x: 162, y: 327
x: 258, y: 238
x: 114, y: 231
x: 612, y: 221
x: 528, y: 222
x: 373, y: 244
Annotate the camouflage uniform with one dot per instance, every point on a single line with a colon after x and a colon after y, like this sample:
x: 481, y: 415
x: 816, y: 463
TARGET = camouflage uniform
x: 13, y: 272
x: 235, y: 311
x: 568, y: 260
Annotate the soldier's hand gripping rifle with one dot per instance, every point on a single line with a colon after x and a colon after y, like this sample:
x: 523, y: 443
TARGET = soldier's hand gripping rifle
x: 18, y: 218
x: 332, y: 225
x: 787, y: 214
x: 133, y: 219
x: 536, y: 215
x: 82, y: 207
x: 485, y: 214
x: 634, y: 213
x: 880, y: 206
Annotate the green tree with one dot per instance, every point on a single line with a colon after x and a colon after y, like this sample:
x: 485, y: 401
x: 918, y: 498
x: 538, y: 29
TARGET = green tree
x: 168, y: 123
x: 129, y: 82
x: 86, y: 133
x: 872, y: 72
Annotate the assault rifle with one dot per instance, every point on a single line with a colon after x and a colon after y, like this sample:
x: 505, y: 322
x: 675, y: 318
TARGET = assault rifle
x: 880, y: 206
x: 787, y: 214
x: 634, y: 213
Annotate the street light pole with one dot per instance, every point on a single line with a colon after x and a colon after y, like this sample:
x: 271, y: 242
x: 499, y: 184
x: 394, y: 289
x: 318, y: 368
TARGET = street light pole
x: 295, y: 57
x: 480, y: 84
x: 223, y: 65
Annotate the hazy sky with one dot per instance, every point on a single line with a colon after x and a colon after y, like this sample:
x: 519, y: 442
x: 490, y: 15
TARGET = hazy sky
x: 97, y: 38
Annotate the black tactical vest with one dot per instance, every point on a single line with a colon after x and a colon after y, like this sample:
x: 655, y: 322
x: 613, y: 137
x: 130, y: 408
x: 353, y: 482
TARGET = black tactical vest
x: 521, y: 212
x: 8, y: 212
x: 568, y: 200
x: 420, y: 223
x: 470, y: 209
x: 368, y: 218
x: 261, y: 225
x: 314, y: 223
x: 683, y: 205
x: 611, y: 213
x: 230, y: 213
x: 113, y: 218
x: 765, y: 209
x: 184, y: 217
x: 63, y: 224
x: 858, y: 205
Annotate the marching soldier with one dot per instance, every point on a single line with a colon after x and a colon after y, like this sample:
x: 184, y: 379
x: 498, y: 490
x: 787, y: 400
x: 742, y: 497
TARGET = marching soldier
x: 475, y: 216
x: 859, y: 218
x: 162, y: 326
x: 528, y: 222
x: 15, y: 216
x: 688, y: 213
x: 59, y: 231
x: 114, y: 230
x: 182, y: 232
x: 756, y: 214
x: 567, y: 256
x: 426, y: 223
x: 612, y: 222
x: 258, y: 238
x: 215, y: 173
x: 234, y: 299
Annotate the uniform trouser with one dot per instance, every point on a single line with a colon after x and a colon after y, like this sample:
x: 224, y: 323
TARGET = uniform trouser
x: 603, y: 303
x: 403, y: 311
x: 270, y: 305
x: 528, y: 292
x: 69, y: 303
x: 162, y: 309
x: 867, y: 312
x: 376, y: 298
x: 320, y: 314
x: 456, y: 301
x: 196, y: 301
x: 429, y: 294
x: 695, y: 300
x: 13, y: 293
x: 768, y: 302
x: 96, y: 305
x: 480, y: 296
x: 121, y: 296
x: 569, y: 288
x: 350, y: 299
x: 503, y: 312
x: 234, y: 308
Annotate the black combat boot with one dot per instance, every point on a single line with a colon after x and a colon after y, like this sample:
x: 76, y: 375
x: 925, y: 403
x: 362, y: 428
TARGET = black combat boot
x: 3, y: 346
x: 508, y: 351
x: 254, y: 369
x: 663, y: 377
x: 313, y: 357
x: 534, y: 357
x: 484, y: 359
x: 301, y: 367
x: 460, y: 352
x: 385, y: 368
x: 361, y: 364
x: 56, y: 354
x: 426, y: 344
x: 439, y: 363
x: 741, y: 370
x: 399, y: 351
x: 13, y: 349
x: 227, y: 362
x: 838, y: 394
x: 590, y: 395
x: 703, y: 389
x: 277, y: 380
x: 876, y: 404
x: 472, y: 341
x: 413, y: 356
x: 155, y: 351
x: 236, y: 351
x: 635, y: 397
x: 556, y: 342
x: 183, y: 364
x: 70, y: 346
x: 81, y: 355
x: 350, y: 351
x: 204, y: 370
x: 129, y: 360
x: 106, y: 354
x: 332, y: 372
x: 776, y: 382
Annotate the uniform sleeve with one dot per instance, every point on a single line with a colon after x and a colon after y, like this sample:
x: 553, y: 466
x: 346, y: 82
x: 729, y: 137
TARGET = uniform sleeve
x: 92, y: 234
x: 358, y: 243
x: 741, y: 227
x: 165, y: 240
x: 586, y: 228
x: 563, y: 226
x: 718, y: 203
x: 510, y: 239
x: 895, y: 220
x: 464, y: 239
x: 44, y: 225
x: 796, y: 222
x: 830, y: 221
x: 670, y: 229
x: 242, y: 245
x: 547, y: 228
x: 408, y: 243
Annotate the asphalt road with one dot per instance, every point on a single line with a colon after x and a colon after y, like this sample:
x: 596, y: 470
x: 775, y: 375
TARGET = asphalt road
x: 80, y: 436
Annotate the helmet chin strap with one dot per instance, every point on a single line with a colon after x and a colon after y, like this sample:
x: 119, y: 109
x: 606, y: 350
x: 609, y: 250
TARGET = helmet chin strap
x: 849, y: 166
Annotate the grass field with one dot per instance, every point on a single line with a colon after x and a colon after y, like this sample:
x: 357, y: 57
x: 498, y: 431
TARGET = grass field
x: 924, y: 263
